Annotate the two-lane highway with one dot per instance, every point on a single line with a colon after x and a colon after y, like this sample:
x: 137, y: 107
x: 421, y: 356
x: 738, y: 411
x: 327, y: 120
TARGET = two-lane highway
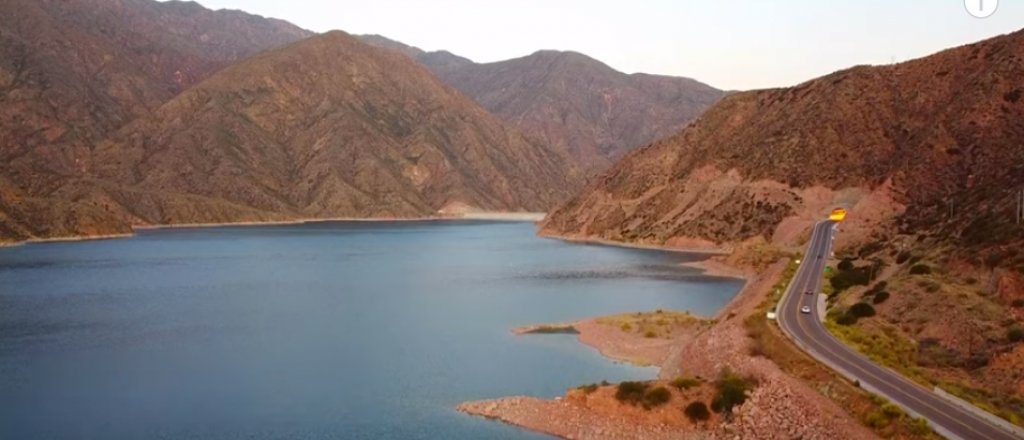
x: 808, y: 331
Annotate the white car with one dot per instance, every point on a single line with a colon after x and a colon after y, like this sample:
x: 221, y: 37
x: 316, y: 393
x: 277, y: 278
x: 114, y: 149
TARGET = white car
x: 805, y: 309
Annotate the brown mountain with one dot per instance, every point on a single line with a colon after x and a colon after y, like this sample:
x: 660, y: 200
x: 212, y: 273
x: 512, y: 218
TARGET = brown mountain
x: 572, y: 102
x: 326, y: 127
x: 945, y: 127
x: 928, y: 154
x: 73, y: 71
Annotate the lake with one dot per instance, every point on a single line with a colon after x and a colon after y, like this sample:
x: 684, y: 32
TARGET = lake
x: 341, y: 330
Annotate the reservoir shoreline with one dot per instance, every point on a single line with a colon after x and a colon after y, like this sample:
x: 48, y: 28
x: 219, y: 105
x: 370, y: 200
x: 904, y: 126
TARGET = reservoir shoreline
x: 477, y: 216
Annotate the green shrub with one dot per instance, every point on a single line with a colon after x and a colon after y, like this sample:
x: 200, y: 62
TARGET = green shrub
x: 862, y: 310
x: 876, y: 420
x: 918, y: 427
x: 697, y: 411
x: 892, y: 411
x: 846, y: 319
x: 731, y: 391
x: 1015, y: 334
x: 686, y: 382
x: 604, y: 383
x: 589, y: 388
x: 846, y: 264
x: 920, y: 269
x: 656, y: 397
x: 880, y: 297
x: 631, y: 392
x: 1018, y: 303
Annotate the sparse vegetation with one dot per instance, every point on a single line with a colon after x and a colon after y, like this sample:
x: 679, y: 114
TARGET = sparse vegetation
x: 697, y: 411
x: 631, y: 392
x: 1015, y: 334
x: 854, y: 276
x: 659, y: 323
x: 881, y: 297
x: 655, y: 397
x: 687, y: 382
x: 588, y: 388
x: 553, y: 329
x: 641, y: 393
x: 845, y: 264
x: 862, y: 310
x: 730, y: 391
x: 918, y: 426
x: 1018, y: 303
x: 920, y: 269
x: 794, y: 362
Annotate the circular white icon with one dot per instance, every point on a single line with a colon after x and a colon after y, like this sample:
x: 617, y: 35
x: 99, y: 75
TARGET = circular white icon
x: 981, y: 8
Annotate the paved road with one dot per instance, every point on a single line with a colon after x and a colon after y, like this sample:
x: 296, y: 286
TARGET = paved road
x: 811, y: 335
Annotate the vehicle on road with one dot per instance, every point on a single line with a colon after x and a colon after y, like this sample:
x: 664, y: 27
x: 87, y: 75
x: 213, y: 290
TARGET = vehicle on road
x: 805, y: 309
x: 808, y: 292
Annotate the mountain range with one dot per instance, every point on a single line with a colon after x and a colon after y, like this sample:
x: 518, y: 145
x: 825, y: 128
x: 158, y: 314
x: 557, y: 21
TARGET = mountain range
x: 572, y: 102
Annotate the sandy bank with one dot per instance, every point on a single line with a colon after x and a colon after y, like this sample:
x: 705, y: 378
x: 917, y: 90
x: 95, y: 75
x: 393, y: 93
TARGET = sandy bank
x: 642, y: 338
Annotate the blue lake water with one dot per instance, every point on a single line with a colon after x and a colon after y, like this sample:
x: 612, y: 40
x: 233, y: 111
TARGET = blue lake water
x: 317, y: 331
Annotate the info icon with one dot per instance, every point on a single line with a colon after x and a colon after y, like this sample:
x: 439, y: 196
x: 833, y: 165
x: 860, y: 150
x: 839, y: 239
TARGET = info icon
x: 981, y: 8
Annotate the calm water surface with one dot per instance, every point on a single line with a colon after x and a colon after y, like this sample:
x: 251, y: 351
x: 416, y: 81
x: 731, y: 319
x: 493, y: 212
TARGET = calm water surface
x: 321, y: 331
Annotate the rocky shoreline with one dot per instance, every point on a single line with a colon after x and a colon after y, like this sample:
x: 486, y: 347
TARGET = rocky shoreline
x: 780, y: 407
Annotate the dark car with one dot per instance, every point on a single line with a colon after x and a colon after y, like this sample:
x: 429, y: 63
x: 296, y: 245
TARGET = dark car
x: 809, y: 292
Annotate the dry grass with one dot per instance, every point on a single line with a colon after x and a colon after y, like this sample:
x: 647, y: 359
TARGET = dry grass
x: 663, y: 324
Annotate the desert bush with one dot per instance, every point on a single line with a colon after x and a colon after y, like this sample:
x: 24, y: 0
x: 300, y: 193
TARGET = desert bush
x: 731, y: 391
x: 650, y: 334
x: 588, y: 388
x: 697, y: 411
x: 862, y: 310
x: 846, y: 264
x: 876, y: 420
x: 1019, y: 302
x: 903, y: 257
x: 920, y: 269
x: 631, y: 392
x: 1015, y: 334
x: 656, y: 397
x: 626, y: 327
x: 880, y: 297
x: 846, y: 319
x: 892, y: 411
x: 686, y: 382
x: 919, y: 427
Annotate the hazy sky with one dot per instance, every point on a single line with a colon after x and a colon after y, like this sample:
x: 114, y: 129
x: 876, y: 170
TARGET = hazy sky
x: 730, y: 44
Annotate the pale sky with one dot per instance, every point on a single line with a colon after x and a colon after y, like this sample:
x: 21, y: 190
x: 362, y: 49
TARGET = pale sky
x: 729, y: 44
